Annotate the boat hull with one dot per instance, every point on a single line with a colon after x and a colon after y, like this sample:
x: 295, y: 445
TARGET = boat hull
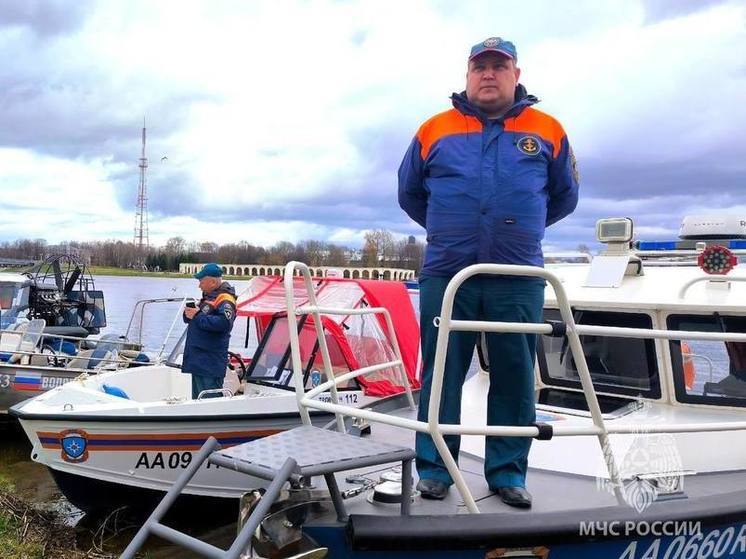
x: 21, y: 382
x: 104, y: 465
x: 96, y: 497
x: 527, y: 538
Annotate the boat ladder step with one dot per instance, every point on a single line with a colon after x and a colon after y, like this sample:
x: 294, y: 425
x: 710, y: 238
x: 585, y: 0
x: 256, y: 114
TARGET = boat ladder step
x: 302, y: 452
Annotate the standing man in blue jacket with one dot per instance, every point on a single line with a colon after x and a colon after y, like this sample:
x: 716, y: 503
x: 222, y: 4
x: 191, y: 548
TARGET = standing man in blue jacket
x: 485, y: 179
x: 209, y: 331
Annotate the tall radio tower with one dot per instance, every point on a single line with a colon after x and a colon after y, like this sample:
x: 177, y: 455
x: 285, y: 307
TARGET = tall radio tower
x: 142, y: 241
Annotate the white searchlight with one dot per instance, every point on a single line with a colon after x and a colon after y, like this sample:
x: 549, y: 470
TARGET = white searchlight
x: 616, y: 261
x: 614, y: 231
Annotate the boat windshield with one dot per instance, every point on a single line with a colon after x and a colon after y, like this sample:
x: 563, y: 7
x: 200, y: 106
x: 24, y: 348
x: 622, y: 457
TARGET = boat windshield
x: 13, y: 298
x: 7, y: 294
x: 709, y: 372
x: 626, y: 366
x: 271, y: 363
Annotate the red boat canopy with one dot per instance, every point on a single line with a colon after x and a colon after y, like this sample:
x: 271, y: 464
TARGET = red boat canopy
x: 354, y: 341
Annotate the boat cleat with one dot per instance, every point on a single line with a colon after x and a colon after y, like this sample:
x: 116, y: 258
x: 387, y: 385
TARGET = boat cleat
x: 359, y: 427
x: 280, y: 534
x: 662, y: 486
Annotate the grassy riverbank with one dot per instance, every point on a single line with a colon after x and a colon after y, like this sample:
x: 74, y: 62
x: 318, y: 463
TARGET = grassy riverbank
x: 111, y: 271
x: 28, y: 532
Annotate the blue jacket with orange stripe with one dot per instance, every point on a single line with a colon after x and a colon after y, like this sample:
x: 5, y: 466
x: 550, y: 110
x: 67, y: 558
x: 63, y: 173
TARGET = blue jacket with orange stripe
x: 209, y: 333
x: 484, y: 189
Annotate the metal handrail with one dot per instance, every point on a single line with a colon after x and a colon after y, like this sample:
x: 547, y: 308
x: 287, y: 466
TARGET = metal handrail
x: 398, y: 364
x: 143, y: 302
x: 591, y: 329
x: 171, y: 328
x: 598, y: 429
x: 445, y: 327
x: 716, y: 279
x: 313, y: 309
x: 72, y: 338
x: 64, y: 357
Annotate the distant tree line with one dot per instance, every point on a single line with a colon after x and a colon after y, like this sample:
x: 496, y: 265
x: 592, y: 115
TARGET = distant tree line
x: 381, y: 248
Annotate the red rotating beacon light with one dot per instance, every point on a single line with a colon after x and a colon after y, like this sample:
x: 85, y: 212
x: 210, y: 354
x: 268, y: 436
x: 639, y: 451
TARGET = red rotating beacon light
x: 717, y: 260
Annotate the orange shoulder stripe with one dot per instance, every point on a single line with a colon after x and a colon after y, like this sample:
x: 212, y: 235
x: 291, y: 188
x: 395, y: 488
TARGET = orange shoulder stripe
x: 222, y: 298
x: 444, y: 124
x: 532, y: 121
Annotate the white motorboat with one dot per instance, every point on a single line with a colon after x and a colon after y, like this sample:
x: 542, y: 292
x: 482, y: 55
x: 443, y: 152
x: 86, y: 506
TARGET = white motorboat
x: 641, y: 428
x: 122, y: 437
x: 50, y: 330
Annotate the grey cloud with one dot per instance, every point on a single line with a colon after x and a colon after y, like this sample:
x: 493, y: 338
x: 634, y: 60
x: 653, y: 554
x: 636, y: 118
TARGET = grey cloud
x: 700, y: 174
x: 661, y: 10
x: 44, y: 17
x: 654, y: 193
x: 662, y: 211
x: 358, y: 200
x: 81, y: 115
x: 54, y: 100
x: 350, y: 212
x: 74, y: 110
x: 171, y: 192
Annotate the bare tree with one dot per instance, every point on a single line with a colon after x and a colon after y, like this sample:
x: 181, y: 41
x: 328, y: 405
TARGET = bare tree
x: 379, y: 247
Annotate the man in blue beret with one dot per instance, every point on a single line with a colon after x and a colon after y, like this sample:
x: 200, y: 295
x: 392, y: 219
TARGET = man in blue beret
x: 209, y: 331
x: 484, y: 179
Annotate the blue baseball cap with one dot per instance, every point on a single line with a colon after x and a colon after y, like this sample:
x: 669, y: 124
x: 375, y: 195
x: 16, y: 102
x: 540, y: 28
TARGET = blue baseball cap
x: 211, y: 269
x: 495, y: 44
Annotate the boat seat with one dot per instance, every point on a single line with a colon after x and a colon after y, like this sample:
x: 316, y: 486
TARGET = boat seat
x: 298, y: 453
x: 41, y: 360
x: 10, y: 341
x: 731, y: 386
x: 28, y: 336
x: 89, y: 359
x: 100, y: 357
x: 231, y: 382
x: 80, y: 361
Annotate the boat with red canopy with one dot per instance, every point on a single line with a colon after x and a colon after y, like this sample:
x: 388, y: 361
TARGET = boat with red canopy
x: 123, y: 437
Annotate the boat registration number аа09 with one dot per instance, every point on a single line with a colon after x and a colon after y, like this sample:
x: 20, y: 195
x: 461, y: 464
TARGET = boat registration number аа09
x: 166, y: 461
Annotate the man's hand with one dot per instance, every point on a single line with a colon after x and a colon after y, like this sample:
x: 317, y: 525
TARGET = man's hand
x: 189, y: 312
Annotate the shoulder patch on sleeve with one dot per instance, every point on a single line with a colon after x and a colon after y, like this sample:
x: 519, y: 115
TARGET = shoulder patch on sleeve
x: 574, y: 166
x: 223, y: 298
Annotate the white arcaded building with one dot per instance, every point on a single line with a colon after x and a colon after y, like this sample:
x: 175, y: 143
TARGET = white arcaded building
x: 397, y: 274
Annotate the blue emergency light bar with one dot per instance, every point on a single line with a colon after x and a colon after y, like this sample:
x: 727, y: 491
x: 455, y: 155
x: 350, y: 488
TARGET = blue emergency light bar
x: 688, y: 245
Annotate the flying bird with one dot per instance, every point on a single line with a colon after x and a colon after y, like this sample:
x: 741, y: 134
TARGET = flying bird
x: 164, y: 158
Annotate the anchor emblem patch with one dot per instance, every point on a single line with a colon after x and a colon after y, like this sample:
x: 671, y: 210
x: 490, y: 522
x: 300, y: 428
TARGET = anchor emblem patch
x: 529, y: 145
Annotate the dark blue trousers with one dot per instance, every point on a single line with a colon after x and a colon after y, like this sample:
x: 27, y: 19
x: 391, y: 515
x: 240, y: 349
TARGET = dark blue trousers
x: 511, y: 357
x: 203, y: 382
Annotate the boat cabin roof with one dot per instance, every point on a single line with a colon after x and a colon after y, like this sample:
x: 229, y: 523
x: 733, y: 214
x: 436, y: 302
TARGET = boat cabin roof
x: 658, y: 288
x: 9, y: 277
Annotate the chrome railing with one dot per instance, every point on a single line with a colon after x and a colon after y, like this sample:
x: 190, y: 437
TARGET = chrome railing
x: 446, y: 324
x: 315, y: 311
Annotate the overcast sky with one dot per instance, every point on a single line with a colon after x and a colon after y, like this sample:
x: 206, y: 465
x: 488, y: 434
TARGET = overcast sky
x: 286, y: 120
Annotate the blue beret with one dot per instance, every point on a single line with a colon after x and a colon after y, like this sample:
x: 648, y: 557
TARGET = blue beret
x: 211, y: 269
